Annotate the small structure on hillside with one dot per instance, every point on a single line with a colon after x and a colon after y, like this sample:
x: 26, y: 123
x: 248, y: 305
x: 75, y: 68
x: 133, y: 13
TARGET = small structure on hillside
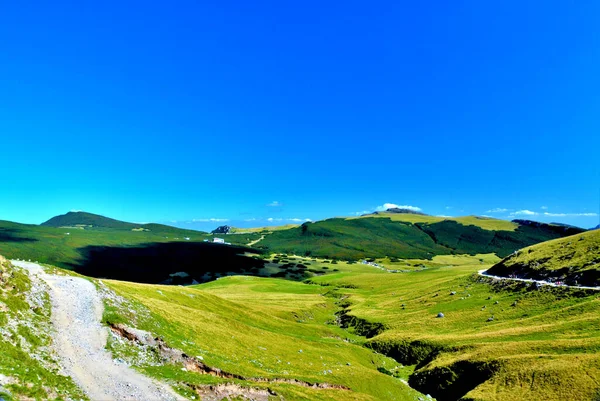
x: 218, y: 241
x: 440, y: 315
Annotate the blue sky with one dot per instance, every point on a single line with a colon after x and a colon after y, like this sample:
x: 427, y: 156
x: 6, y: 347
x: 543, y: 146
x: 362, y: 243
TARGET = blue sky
x: 242, y: 112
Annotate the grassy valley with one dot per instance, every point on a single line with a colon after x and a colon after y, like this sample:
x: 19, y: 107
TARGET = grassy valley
x: 497, y: 340
x: 318, y: 321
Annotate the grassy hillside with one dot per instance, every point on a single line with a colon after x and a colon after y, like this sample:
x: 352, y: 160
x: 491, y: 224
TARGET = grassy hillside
x: 486, y: 223
x: 151, y: 254
x: 574, y: 260
x: 236, y: 230
x: 60, y: 246
x: 407, y: 236
x: 258, y: 333
x: 84, y: 220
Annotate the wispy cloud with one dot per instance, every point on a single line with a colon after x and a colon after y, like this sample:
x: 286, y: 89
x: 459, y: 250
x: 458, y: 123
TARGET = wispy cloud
x: 275, y: 204
x: 570, y: 214
x: 286, y: 220
x: 524, y: 212
x: 544, y: 207
x: 211, y: 220
x: 498, y: 210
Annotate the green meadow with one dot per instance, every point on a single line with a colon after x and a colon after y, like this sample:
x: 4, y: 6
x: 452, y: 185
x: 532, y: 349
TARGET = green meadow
x: 373, y: 329
x: 414, y: 319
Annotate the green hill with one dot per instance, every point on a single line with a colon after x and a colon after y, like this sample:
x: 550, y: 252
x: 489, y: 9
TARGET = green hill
x: 84, y: 241
x: 84, y: 219
x: 574, y: 260
x: 413, y: 236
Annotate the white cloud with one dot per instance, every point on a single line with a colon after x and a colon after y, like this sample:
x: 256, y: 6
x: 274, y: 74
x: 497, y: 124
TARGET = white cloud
x: 448, y: 207
x: 524, y: 212
x: 387, y: 206
x: 252, y: 219
x: 292, y: 220
x: 570, y: 214
x: 275, y: 204
x: 211, y: 220
x: 498, y: 210
x: 544, y: 207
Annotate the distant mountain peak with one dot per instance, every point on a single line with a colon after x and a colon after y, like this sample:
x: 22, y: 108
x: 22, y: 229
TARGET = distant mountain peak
x: 222, y: 230
x: 400, y: 210
x: 85, y: 219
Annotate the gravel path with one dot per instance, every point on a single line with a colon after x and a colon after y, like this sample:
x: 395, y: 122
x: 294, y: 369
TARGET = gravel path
x: 79, y: 340
x: 529, y: 280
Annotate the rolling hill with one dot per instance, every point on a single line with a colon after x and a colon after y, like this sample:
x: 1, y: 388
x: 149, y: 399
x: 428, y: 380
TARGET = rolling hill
x: 573, y: 260
x: 102, y: 247
x: 84, y: 220
x: 403, y: 235
x: 89, y: 243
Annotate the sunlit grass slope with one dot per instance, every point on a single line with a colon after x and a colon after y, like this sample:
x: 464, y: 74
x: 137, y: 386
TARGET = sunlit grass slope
x: 487, y: 223
x: 573, y: 260
x: 261, y: 328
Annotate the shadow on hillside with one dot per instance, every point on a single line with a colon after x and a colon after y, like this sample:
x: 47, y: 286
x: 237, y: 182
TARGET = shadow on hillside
x: 156, y: 262
x: 13, y: 235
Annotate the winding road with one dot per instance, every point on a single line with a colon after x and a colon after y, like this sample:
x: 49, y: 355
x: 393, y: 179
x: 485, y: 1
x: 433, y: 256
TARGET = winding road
x: 80, y: 338
x: 529, y: 280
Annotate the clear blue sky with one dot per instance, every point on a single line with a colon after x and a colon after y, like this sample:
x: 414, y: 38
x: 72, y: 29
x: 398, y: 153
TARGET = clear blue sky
x: 183, y: 111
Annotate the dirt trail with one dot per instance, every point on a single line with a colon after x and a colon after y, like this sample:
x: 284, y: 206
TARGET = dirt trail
x: 79, y: 340
x: 252, y: 243
x: 529, y: 280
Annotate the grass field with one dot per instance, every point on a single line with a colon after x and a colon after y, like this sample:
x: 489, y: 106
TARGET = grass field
x: 541, y: 344
x: 266, y: 330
